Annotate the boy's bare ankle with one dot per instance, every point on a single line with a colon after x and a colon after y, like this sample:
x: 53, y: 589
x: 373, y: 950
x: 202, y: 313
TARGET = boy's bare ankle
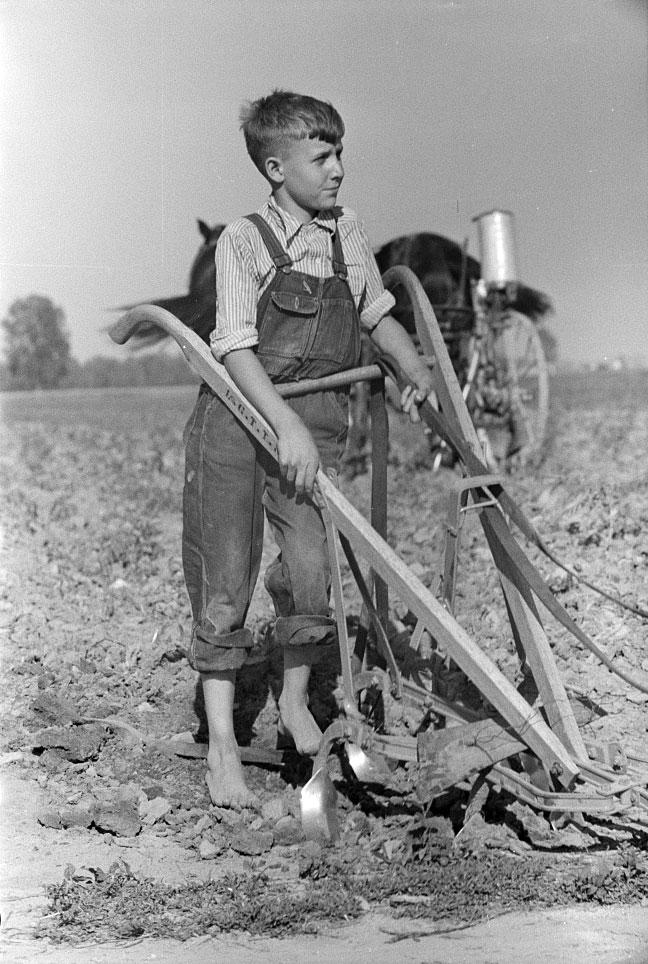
x: 225, y: 778
x: 297, y: 720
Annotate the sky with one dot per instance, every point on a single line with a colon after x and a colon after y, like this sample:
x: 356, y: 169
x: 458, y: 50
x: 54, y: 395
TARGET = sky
x: 119, y: 128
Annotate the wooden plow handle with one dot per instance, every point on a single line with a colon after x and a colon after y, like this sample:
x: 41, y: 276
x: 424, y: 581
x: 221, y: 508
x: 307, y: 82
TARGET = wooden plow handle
x: 455, y: 427
x: 429, y: 334
x: 525, y: 720
x: 203, y: 363
x: 454, y: 408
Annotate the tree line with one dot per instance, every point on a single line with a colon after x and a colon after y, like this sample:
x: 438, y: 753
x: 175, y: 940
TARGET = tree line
x: 37, y: 355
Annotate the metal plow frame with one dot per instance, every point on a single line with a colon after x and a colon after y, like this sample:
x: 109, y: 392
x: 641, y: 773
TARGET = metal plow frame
x: 561, y: 772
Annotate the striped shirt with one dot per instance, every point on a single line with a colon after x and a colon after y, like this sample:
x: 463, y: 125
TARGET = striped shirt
x: 244, y: 269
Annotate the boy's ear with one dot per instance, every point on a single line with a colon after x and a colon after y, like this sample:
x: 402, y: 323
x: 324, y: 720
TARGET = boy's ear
x: 274, y: 169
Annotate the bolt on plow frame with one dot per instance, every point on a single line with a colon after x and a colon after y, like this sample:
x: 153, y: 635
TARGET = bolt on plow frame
x: 524, y: 740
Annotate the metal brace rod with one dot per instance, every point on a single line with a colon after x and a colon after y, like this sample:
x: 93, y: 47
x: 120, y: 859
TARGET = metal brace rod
x: 349, y: 703
x: 457, y: 507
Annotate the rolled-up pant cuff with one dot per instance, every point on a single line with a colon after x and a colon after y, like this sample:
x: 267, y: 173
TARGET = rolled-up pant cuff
x: 305, y: 630
x: 225, y: 651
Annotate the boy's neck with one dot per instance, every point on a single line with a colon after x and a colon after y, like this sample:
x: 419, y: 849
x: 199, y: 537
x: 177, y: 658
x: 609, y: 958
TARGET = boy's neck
x: 300, y: 214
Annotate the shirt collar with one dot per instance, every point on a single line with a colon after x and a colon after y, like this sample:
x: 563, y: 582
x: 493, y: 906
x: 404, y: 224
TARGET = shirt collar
x: 291, y: 226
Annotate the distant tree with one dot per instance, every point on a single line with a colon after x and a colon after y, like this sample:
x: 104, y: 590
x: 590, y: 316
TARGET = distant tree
x: 157, y: 368
x: 37, y: 348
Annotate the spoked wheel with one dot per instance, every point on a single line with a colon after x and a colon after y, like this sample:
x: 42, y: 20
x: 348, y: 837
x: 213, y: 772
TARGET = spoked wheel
x: 519, y: 391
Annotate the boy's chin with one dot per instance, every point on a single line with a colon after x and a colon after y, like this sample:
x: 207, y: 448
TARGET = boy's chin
x: 328, y: 201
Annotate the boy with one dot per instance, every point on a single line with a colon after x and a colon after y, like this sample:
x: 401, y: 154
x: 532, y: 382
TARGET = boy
x: 294, y: 284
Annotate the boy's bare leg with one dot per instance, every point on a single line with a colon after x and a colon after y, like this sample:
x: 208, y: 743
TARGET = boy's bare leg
x: 296, y: 718
x: 225, y: 778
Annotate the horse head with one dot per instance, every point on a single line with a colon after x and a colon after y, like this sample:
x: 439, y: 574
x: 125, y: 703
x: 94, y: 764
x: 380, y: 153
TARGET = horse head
x: 197, y: 308
x: 202, y: 275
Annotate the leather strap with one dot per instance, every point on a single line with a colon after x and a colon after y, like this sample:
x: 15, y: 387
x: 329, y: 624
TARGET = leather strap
x: 282, y: 261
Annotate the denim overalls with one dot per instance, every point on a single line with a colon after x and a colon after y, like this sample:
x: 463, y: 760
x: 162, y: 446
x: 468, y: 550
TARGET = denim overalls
x: 308, y: 327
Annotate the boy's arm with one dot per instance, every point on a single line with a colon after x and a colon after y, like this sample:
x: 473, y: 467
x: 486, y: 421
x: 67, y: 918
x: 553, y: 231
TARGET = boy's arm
x: 389, y: 336
x: 392, y: 339
x: 298, y: 455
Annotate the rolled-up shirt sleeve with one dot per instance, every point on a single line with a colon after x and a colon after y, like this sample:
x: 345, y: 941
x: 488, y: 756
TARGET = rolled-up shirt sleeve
x: 376, y: 301
x: 237, y: 291
x: 377, y: 310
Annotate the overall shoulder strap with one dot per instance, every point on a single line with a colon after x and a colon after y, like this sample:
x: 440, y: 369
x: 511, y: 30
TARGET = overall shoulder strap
x: 339, y: 264
x: 282, y: 261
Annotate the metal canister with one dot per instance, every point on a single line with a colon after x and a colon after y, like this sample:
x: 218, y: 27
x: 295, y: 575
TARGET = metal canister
x: 496, y: 232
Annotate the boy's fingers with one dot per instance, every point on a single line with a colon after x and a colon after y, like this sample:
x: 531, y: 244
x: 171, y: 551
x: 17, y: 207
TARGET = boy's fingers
x: 304, y: 479
x: 411, y: 398
x: 299, y: 482
x: 310, y: 478
x: 407, y: 397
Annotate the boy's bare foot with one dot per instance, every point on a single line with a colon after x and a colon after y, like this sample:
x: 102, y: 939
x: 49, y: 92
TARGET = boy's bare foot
x: 226, y: 781
x: 297, y: 721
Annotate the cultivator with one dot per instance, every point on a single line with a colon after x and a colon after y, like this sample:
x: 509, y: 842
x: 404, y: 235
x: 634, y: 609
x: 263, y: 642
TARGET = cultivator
x: 476, y: 730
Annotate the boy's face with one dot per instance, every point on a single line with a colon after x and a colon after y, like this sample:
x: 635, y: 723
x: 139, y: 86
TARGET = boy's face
x: 307, y: 176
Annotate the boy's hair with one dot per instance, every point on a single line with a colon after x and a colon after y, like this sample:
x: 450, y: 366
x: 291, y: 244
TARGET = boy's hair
x: 267, y: 123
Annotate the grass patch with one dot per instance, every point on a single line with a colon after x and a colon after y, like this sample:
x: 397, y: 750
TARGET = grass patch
x: 119, y: 905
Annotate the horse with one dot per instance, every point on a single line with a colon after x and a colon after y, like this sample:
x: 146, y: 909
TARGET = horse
x: 443, y: 267
x: 446, y: 272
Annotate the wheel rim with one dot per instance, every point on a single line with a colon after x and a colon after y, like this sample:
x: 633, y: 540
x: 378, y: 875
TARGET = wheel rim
x: 528, y: 382
x: 520, y: 356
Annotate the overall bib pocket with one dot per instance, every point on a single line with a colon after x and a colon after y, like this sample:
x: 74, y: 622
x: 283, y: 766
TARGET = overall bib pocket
x: 338, y: 341
x: 285, y: 332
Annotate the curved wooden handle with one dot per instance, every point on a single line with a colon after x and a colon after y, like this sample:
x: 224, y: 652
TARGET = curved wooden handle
x: 203, y: 363
x: 446, y: 385
x: 128, y: 324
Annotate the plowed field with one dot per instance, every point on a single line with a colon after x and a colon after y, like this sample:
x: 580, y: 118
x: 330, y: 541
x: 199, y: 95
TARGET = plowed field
x: 94, y: 618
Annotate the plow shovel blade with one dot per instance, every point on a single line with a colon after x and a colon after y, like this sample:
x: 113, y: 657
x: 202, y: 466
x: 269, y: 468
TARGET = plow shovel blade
x: 366, y: 768
x: 319, y: 808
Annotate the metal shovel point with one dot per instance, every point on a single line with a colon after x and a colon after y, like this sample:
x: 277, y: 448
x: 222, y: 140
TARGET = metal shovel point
x: 319, y: 815
x: 319, y: 808
x: 367, y: 769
